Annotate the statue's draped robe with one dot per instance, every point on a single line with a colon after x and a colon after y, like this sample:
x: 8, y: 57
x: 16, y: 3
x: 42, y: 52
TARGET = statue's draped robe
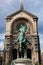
x: 22, y: 40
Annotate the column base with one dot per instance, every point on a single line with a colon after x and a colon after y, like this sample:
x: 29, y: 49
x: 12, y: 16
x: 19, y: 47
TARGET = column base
x: 22, y: 61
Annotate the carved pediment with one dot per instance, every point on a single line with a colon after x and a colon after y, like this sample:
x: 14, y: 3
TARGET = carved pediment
x: 20, y: 11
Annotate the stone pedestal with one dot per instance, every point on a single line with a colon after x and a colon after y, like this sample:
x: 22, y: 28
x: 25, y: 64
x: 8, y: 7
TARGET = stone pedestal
x: 22, y: 61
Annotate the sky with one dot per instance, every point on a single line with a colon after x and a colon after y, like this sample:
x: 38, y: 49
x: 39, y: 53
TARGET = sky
x: 10, y: 6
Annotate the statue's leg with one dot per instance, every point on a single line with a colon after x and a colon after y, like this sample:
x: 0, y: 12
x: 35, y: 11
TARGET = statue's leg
x: 22, y: 54
x: 19, y: 54
x: 25, y: 53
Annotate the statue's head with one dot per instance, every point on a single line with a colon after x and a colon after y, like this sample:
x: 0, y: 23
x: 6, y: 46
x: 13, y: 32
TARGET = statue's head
x: 22, y: 28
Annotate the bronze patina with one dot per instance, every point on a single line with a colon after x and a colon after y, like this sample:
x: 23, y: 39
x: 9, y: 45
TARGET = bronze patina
x: 22, y: 40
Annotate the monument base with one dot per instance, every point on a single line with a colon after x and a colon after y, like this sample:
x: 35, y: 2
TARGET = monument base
x: 22, y: 61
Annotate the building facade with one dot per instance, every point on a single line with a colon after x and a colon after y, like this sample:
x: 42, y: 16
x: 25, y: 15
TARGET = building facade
x: 13, y: 23
x: 42, y: 57
x: 1, y: 53
x: 1, y: 57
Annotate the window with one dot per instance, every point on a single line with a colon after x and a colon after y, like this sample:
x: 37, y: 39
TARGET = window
x: 36, y: 41
x: 8, y: 46
x: 36, y: 46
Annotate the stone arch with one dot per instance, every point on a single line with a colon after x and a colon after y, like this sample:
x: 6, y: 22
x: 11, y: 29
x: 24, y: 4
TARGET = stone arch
x: 14, y: 53
x: 14, y: 21
x: 29, y: 53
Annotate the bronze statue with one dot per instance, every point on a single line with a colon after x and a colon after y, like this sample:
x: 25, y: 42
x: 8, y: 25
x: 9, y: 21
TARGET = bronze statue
x: 22, y: 40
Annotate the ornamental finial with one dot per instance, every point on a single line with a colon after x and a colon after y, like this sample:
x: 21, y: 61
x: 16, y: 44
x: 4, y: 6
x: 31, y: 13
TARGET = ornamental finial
x: 22, y: 5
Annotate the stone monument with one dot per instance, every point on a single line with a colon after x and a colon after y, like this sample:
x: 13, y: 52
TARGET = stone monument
x: 22, y: 41
x: 21, y: 38
x: 22, y: 61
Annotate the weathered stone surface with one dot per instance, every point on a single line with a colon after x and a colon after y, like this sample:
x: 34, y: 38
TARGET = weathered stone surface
x: 22, y: 61
x: 10, y: 49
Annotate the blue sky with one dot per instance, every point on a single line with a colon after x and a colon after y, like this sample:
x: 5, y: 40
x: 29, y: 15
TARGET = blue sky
x: 10, y: 6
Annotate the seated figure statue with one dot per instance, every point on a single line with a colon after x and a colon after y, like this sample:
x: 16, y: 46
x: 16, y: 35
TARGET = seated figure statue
x: 22, y: 40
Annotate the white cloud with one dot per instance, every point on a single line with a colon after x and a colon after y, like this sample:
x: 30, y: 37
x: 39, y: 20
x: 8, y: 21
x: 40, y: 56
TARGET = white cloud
x: 21, y: 1
x: 41, y: 51
x: 8, y: 1
x: 1, y: 45
x: 36, y: 2
x: 41, y: 41
x: 2, y: 36
x: 41, y: 38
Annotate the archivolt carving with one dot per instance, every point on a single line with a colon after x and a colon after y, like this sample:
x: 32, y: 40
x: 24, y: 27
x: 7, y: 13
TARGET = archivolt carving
x: 16, y: 23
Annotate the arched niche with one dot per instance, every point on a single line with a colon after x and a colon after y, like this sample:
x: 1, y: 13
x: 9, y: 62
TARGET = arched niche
x: 14, y: 53
x: 29, y: 53
x: 16, y: 23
